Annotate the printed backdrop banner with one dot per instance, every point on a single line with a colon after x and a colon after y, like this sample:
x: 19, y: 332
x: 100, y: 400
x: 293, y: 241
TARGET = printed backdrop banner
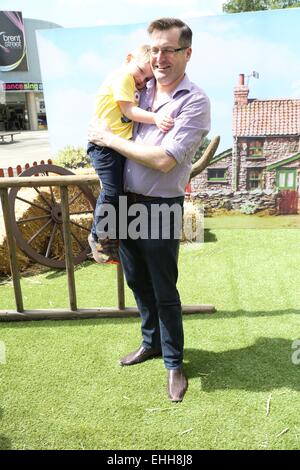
x: 12, y: 42
x: 75, y: 61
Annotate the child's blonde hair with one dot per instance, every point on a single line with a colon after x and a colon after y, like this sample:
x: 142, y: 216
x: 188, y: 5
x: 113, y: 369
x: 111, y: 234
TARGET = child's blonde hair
x: 142, y: 53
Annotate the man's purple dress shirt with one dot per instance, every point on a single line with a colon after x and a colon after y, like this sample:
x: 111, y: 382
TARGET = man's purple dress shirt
x: 190, y: 108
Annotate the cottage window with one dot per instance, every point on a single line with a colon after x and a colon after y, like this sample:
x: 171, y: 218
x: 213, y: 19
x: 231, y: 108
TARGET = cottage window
x: 286, y: 179
x: 254, y: 179
x: 256, y: 148
x: 217, y: 174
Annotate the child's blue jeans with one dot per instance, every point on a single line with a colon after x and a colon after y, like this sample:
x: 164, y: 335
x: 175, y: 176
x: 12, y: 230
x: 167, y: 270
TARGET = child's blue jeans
x: 109, y: 166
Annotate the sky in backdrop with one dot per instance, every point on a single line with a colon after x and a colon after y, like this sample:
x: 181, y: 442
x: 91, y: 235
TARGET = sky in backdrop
x: 80, y: 13
x: 75, y: 61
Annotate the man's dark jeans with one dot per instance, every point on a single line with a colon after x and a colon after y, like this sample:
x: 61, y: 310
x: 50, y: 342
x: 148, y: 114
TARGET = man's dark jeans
x: 150, y: 267
x: 109, y: 166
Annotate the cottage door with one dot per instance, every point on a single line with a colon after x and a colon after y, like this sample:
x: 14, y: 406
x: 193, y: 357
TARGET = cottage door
x: 286, y: 183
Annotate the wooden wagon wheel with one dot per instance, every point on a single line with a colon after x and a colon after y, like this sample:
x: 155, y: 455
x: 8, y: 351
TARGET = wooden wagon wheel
x: 48, y: 222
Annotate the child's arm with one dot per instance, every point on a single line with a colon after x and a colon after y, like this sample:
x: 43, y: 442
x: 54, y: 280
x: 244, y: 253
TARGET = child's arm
x: 133, y: 112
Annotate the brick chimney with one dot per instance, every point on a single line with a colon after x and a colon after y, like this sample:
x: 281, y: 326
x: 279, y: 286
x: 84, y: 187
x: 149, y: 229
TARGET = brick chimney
x: 241, y: 91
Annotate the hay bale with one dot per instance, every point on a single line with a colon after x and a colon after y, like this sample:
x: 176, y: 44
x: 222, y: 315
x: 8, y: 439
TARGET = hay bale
x: 193, y: 223
x: 23, y: 260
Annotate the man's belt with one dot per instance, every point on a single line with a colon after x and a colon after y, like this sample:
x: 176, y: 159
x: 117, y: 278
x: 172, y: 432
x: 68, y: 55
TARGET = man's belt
x: 134, y: 197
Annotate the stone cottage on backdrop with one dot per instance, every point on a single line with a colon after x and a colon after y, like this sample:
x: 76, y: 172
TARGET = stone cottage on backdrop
x: 263, y: 166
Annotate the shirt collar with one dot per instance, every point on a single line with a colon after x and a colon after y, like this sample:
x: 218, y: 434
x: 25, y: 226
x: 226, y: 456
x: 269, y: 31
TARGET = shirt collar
x: 185, y: 84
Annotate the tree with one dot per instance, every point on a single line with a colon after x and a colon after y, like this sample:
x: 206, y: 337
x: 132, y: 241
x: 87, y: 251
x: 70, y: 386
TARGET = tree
x: 237, y: 6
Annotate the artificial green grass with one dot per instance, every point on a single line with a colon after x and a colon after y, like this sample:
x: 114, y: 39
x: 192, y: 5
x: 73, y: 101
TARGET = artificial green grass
x: 62, y: 388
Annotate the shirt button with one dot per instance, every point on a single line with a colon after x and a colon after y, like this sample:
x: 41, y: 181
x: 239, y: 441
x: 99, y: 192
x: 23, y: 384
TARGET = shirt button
x: 128, y: 170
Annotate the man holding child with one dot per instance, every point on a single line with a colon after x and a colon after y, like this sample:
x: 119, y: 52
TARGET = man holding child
x: 156, y: 171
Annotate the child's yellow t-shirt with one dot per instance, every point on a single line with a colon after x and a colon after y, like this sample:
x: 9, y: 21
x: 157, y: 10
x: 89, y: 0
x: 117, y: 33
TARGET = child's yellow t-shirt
x: 119, y: 86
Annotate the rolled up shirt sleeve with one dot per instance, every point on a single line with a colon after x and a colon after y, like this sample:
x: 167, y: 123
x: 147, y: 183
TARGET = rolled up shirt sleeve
x: 192, y: 124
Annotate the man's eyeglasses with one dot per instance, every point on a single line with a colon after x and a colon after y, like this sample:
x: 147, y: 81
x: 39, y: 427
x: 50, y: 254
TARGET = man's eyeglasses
x: 154, y: 51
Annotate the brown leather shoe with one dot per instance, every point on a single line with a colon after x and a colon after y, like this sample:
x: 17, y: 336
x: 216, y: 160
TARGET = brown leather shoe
x: 177, y: 384
x: 141, y: 355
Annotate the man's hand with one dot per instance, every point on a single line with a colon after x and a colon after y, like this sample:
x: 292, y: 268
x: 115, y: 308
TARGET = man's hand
x: 163, y: 122
x: 151, y: 156
x: 99, y: 133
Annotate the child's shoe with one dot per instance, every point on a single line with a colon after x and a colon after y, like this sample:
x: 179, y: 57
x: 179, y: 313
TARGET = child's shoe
x: 97, y: 252
x: 104, y: 251
x: 111, y: 249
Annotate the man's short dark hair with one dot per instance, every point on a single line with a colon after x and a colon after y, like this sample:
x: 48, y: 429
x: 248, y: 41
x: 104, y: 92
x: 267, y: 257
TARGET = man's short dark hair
x: 163, y: 24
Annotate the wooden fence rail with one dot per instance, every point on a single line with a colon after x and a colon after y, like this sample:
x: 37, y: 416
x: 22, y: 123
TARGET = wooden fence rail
x: 73, y: 312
